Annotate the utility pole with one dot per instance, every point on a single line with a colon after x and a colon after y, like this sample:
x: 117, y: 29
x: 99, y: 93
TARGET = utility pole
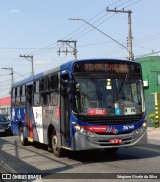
x: 100, y: 31
x: 68, y: 42
x: 29, y: 58
x: 129, y: 29
x: 11, y: 72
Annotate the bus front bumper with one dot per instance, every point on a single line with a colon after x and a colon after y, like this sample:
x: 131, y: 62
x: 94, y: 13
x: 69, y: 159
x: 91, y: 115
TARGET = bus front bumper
x: 87, y: 141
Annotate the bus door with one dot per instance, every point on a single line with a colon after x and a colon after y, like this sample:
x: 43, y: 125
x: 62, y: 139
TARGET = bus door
x: 65, y: 110
x: 29, y: 95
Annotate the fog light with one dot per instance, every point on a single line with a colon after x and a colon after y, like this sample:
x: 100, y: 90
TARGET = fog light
x: 83, y: 131
x: 141, y: 130
x: 90, y: 133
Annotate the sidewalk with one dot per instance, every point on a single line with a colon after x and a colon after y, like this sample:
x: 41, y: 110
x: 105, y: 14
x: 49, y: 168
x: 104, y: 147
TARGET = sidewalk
x: 153, y: 133
x: 150, y: 128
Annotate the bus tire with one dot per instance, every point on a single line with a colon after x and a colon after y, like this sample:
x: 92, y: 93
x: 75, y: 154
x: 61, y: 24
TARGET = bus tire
x: 56, y: 150
x: 23, y: 140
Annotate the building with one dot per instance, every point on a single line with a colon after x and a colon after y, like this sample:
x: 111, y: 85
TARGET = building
x: 5, y: 105
x: 151, y: 82
x: 151, y: 73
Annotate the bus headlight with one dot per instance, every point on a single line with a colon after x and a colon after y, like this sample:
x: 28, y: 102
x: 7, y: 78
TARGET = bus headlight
x: 82, y: 130
x: 142, y: 128
x: 145, y: 123
x: 77, y: 127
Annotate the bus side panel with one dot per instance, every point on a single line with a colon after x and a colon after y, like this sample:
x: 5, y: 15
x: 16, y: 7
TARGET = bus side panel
x: 50, y: 117
x: 36, y: 118
x: 18, y: 118
x: 42, y: 118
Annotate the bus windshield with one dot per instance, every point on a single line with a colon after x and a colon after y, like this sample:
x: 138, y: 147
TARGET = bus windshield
x: 95, y: 96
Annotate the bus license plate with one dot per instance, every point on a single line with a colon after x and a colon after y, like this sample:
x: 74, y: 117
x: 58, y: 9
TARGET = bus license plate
x: 115, y: 141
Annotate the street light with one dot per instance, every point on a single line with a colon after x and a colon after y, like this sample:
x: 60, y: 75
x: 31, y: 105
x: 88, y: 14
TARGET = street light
x: 11, y: 72
x: 79, y: 19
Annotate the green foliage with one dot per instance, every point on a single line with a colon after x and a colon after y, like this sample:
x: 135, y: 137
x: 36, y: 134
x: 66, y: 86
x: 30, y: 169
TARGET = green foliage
x: 151, y: 116
x: 153, y: 120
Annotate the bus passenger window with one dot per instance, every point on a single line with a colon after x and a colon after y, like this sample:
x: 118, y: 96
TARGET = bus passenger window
x: 23, y: 101
x: 36, y: 86
x: 42, y: 84
x: 46, y: 83
x: 13, y: 97
x: 36, y: 99
x: 44, y: 98
x: 53, y: 98
x: 22, y: 95
x: 17, y: 101
x: 53, y: 82
x: 23, y: 90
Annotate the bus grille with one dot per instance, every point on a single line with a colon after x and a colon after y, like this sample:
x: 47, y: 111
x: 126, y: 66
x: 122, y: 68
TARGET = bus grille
x: 124, y: 132
x: 113, y: 122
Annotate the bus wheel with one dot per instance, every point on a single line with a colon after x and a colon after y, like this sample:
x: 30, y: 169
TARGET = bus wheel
x: 56, y: 150
x: 22, y: 139
x: 111, y: 151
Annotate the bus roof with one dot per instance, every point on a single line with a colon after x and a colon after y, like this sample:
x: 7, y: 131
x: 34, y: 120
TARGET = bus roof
x: 64, y: 68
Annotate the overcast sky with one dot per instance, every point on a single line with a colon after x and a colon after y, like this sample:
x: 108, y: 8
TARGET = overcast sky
x: 33, y: 27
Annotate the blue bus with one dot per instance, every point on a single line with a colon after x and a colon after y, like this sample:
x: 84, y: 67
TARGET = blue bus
x: 82, y: 105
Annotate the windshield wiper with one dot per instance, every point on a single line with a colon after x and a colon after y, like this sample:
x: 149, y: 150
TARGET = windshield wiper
x: 123, y: 85
x: 99, y: 93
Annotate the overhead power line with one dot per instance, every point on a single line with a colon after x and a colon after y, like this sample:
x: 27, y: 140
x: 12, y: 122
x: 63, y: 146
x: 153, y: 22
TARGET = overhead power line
x: 101, y: 32
x: 11, y: 69
x: 29, y: 58
x: 68, y: 36
x: 52, y: 47
x: 68, y: 44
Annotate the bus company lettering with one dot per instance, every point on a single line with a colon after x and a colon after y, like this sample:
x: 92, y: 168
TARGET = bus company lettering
x: 96, y: 129
x: 112, y: 130
x: 106, y: 67
x: 128, y: 127
x: 101, y: 129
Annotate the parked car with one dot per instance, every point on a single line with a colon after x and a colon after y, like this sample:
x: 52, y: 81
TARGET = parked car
x: 5, y: 125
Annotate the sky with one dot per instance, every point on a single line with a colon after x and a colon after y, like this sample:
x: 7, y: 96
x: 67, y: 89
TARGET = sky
x: 33, y: 27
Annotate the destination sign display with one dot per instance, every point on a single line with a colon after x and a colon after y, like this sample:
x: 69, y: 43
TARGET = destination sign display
x: 108, y: 67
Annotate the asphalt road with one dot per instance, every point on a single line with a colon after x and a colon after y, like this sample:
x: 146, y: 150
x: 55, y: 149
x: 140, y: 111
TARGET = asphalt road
x: 36, y: 159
